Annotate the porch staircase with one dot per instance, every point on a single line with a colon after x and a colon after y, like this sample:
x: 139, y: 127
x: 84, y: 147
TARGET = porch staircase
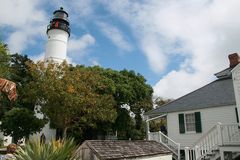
x: 167, y: 142
x: 221, y: 142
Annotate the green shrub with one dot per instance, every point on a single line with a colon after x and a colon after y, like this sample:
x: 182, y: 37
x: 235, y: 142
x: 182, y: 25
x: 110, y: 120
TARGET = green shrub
x: 54, y: 150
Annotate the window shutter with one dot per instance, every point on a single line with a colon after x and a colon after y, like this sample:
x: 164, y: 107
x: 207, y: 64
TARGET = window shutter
x: 237, y: 115
x: 198, y: 122
x: 181, y: 123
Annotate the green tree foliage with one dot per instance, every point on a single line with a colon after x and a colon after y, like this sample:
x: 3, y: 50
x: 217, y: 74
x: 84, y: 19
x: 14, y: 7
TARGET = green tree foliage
x: 129, y: 88
x: 126, y: 127
x: 84, y: 99
x: 124, y: 124
x: 21, y: 75
x: 72, y: 97
x: 5, y: 105
x: 15, y: 68
x: 156, y: 124
x: 159, y: 101
x: 4, y: 61
x: 18, y: 72
x: 55, y: 150
x: 20, y: 122
x: 132, y: 90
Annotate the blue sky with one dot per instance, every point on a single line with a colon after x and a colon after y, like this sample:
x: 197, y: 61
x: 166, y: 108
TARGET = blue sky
x: 176, y: 45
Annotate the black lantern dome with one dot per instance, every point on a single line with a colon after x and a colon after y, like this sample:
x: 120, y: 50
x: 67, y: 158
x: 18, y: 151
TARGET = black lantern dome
x: 59, y: 21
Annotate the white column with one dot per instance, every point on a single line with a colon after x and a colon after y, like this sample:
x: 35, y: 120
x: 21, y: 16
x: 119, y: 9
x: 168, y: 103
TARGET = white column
x: 219, y: 131
x: 147, y: 128
x: 160, y: 136
x: 186, y: 153
x: 221, y: 154
x: 197, y: 152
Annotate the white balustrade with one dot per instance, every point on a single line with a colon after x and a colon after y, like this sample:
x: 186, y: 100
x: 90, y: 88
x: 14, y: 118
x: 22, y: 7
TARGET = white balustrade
x: 219, y: 135
x: 166, y: 141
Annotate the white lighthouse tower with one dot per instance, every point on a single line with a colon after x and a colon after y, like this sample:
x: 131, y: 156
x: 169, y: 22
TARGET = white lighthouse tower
x: 58, y: 32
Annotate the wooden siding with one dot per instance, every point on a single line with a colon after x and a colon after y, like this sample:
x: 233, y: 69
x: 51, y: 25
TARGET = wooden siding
x: 236, y: 85
x: 157, y: 157
x: 209, y: 118
x: 84, y: 152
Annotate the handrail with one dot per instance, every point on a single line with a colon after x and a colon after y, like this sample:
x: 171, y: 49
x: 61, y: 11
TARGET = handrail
x: 218, y: 135
x: 204, y: 135
x: 166, y: 141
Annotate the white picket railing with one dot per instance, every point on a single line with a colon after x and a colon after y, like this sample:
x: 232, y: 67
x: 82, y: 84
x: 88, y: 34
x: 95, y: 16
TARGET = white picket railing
x: 230, y: 134
x: 166, y: 141
x: 219, y: 135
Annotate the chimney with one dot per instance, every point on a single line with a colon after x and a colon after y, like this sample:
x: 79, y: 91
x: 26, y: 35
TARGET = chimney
x: 233, y: 59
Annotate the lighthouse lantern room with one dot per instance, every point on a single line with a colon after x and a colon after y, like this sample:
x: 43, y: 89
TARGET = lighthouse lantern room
x: 58, y: 32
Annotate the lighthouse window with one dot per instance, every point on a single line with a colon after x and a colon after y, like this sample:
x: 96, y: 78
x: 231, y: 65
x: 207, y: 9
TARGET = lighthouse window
x: 60, y: 15
x: 56, y: 24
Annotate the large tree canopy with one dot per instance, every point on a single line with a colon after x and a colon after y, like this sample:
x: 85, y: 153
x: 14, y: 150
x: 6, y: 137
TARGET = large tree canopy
x: 72, y: 96
x: 131, y: 91
x: 79, y: 99
x: 129, y: 88
x: 15, y: 68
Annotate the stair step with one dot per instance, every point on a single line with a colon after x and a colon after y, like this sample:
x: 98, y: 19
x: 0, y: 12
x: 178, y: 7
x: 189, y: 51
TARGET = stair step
x: 206, y: 158
x: 215, y: 150
x: 211, y: 154
x: 236, y: 155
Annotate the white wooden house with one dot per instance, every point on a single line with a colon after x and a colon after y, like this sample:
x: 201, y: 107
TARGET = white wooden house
x: 204, y: 121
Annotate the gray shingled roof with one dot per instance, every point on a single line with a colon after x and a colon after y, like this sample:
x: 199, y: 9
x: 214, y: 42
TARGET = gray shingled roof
x: 224, y: 73
x: 217, y: 93
x: 120, y: 149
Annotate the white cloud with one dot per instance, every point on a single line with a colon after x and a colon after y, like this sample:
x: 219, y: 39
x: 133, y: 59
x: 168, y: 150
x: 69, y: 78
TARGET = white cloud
x: 70, y: 61
x: 115, y: 35
x: 38, y: 57
x: 94, y: 62
x: 18, y: 13
x: 77, y: 46
x: 25, y: 20
x: 155, y: 56
x: 20, y: 39
x: 203, y: 32
x: 178, y: 83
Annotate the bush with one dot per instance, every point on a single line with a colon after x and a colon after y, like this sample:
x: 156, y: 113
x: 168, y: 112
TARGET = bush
x: 54, y: 150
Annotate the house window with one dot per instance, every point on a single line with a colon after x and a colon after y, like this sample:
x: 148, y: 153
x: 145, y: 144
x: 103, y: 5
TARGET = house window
x: 190, y: 122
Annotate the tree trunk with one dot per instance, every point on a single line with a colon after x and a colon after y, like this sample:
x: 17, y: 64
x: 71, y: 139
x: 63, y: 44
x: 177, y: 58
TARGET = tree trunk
x: 65, y: 132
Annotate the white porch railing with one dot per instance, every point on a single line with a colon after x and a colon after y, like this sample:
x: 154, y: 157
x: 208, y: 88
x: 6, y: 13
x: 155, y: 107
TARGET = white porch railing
x: 219, y: 135
x: 230, y: 134
x: 166, y: 141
